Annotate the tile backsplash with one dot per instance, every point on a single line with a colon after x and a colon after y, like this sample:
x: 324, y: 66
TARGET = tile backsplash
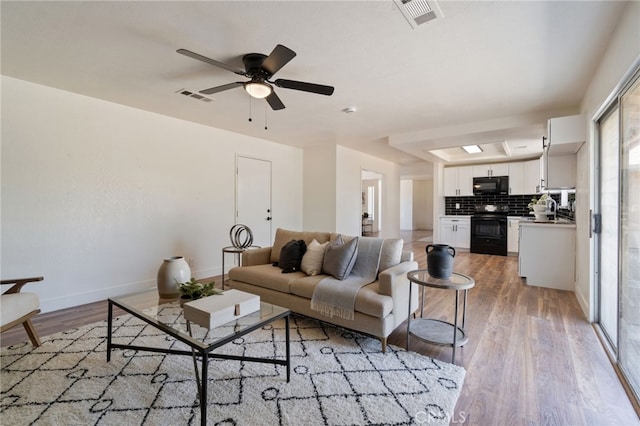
x: 517, y: 204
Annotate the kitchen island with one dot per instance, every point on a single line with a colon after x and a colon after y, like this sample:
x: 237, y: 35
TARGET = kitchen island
x: 547, y: 253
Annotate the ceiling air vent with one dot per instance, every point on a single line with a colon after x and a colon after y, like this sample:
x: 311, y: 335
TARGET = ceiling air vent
x: 194, y: 95
x: 418, y: 12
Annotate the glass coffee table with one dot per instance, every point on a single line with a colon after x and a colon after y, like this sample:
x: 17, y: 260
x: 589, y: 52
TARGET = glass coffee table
x: 167, y: 316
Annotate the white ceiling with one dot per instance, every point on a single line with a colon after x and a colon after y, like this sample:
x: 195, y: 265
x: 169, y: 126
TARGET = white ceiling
x: 488, y: 72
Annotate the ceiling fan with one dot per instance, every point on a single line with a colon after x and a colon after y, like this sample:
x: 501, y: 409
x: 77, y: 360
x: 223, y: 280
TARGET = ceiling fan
x: 260, y: 69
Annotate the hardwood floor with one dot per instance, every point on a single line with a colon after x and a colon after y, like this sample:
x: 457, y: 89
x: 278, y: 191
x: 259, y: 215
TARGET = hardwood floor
x: 532, y: 358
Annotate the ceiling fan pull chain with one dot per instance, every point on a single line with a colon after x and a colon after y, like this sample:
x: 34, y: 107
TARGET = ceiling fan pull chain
x: 265, y: 116
x: 250, y: 109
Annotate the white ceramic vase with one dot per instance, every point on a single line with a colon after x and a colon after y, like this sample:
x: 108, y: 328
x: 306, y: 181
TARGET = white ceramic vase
x: 173, y: 270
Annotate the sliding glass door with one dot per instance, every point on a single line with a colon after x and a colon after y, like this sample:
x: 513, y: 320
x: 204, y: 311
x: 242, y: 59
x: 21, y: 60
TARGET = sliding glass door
x: 629, y: 340
x: 618, y: 229
x: 609, y: 225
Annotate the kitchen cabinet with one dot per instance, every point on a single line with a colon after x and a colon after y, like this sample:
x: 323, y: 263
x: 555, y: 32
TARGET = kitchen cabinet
x: 525, y: 177
x: 490, y: 170
x: 565, y: 135
x: 547, y: 255
x: 456, y: 231
x: 513, y: 234
x: 561, y: 171
x: 458, y: 181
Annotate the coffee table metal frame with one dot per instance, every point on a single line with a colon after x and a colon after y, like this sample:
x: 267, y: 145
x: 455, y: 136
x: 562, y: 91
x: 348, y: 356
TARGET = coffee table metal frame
x: 198, y: 348
x: 436, y: 331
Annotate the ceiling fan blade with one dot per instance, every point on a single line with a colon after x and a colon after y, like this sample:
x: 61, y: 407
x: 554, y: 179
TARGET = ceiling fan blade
x: 305, y: 87
x: 274, y: 101
x: 213, y: 62
x: 222, y: 88
x: 278, y: 58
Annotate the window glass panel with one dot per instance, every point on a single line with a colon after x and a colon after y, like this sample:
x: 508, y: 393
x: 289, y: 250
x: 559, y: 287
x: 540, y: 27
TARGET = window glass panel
x: 608, y: 238
x: 629, y: 353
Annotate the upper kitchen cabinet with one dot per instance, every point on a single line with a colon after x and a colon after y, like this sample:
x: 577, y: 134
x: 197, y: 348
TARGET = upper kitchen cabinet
x: 565, y: 135
x: 489, y: 170
x: 525, y: 177
x: 458, y: 181
x: 561, y: 171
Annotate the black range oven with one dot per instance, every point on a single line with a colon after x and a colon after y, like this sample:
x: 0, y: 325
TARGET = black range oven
x: 489, y: 230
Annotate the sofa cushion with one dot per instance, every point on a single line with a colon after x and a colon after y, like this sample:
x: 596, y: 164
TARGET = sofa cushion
x: 368, y: 300
x: 312, y: 260
x: 291, y: 256
x: 340, y: 257
x: 266, y: 276
x: 391, y: 253
x: 283, y: 236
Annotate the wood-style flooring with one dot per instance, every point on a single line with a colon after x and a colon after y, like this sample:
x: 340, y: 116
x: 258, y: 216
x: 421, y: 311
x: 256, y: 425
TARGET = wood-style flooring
x: 532, y: 358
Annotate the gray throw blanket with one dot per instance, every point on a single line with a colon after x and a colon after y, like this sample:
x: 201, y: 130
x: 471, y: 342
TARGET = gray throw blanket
x: 333, y: 297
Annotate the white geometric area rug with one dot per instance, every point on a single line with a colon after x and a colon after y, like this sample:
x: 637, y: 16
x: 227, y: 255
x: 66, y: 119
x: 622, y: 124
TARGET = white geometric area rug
x: 338, y: 377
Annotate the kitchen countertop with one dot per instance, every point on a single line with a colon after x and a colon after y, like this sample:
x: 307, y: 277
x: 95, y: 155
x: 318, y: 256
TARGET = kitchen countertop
x: 565, y: 223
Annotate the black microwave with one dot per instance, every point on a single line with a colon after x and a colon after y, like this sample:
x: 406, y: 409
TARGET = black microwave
x: 497, y: 185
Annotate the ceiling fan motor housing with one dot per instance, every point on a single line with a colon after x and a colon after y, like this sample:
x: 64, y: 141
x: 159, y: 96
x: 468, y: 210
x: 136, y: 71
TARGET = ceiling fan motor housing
x: 253, y: 65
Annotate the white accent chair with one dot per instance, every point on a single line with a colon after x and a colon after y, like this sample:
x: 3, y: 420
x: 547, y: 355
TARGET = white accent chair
x: 18, y: 308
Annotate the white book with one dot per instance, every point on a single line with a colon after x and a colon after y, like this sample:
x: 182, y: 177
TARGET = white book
x: 213, y: 311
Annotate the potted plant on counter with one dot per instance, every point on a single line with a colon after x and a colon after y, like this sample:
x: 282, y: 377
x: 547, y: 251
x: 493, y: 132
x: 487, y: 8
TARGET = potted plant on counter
x: 192, y: 290
x: 539, y: 205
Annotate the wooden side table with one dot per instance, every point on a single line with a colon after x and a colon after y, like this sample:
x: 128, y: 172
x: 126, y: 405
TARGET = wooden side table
x: 436, y: 331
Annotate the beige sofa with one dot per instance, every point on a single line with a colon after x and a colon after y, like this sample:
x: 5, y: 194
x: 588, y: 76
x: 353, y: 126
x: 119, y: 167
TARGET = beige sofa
x: 380, y: 307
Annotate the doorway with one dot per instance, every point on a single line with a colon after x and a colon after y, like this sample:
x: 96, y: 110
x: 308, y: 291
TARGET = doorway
x: 371, y: 211
x: 253, y: 198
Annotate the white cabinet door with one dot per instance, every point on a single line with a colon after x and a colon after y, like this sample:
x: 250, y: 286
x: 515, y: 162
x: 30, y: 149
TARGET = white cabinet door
x: 456, y: 232
x: 566, y: 134
x: 465, y: 180
x: 481, y: 170
x: 450, y: 182
x: 516, y: 178
x: 561, y: 171
x: 490, y: 170
x: 463, y: 234
x: 501, y: 169
x: 513, y: 235
x: 458, y: 181
x: 532, y: 176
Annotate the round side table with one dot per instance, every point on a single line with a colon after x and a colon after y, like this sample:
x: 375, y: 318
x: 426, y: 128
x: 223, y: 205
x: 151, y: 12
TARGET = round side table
x: 436, y: 331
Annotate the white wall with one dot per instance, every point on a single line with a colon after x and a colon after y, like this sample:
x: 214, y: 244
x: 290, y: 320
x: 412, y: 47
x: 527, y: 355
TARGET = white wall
x: 319, y: 203
x: 334, y: 178
x: 423, y: 204
x: 406, y: 205
x: 96, y: 194
x: 621, y: 53
x: 349, y: 166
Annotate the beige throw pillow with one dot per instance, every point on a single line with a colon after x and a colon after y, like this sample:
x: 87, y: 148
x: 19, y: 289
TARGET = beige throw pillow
x: 313, y: 257
x: 391, y: 253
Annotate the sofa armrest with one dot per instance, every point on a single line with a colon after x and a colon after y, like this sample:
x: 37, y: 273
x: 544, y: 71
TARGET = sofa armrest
x: 390, y: 279
x: 256, y: 256
x: 393, y: 282
x: 407, y: 256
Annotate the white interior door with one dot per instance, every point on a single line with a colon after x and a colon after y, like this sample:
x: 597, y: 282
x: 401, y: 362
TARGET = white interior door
x: 253, y: 198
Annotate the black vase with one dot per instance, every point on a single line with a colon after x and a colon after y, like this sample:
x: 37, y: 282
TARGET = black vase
x: 440, y: 260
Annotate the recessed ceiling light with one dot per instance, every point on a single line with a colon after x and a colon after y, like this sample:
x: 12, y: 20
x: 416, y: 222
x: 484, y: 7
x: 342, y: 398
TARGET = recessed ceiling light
x: 472, y: 149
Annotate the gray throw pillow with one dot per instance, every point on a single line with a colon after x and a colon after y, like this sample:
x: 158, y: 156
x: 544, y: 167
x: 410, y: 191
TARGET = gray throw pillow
x: 340, y: 257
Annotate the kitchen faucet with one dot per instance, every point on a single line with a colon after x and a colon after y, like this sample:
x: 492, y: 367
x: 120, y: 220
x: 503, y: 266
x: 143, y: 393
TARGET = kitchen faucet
x: 555, y: 208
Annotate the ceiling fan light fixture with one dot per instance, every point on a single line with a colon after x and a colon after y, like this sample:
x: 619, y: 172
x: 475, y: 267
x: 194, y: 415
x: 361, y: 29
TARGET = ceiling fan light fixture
x: 258, y: 89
